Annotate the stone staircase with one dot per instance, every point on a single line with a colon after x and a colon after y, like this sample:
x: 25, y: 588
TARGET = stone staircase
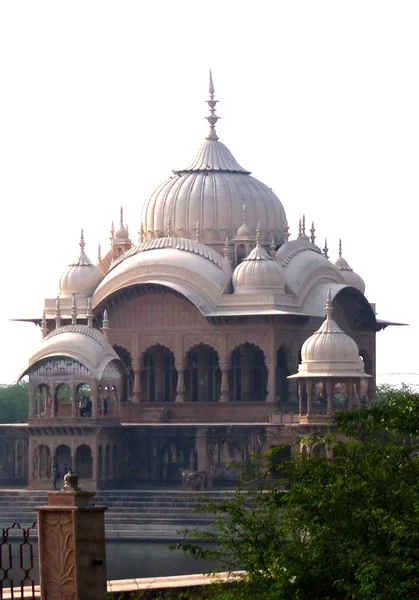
x: 131, y: 514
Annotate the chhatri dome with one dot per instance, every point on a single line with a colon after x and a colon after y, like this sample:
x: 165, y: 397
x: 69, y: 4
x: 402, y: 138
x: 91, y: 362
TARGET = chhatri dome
x: 349, y: 275
x: 81, y: 277
x: 210, y: 191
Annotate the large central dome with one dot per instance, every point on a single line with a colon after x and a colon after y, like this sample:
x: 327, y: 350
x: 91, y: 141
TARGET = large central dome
x: 205, y: 199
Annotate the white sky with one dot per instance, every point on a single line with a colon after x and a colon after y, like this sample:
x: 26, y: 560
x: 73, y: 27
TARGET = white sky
x: 100, y: 100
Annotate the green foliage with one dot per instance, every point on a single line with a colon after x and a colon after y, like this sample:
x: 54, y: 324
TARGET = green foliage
x: 313, y: 528
x: 14, y: 403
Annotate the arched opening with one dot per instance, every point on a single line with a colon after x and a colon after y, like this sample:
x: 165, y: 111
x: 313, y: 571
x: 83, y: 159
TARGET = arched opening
x: 62, y: 400
x: 42, y: 465
x: 248, y: 375
x: 84, y: 400
x: 62, y: 459
x: 319, y: 451
x: 340, y: 395
x: 42, y: 401
x: 84, y: 462
x: 158, y: 375
x: 202, y: 374
x: 128, y: 376
x: 241, y: 253
x: 282, y: 372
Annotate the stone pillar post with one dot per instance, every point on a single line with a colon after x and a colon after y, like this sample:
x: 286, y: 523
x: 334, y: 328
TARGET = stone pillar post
x: 95, y: 397
x: 180, y: 388
x: 72, y: 551
x: 30, y: 392
x: 300, y: 398
x: 136, y: 367
x: 73, y: 399
x: 94, y: 461
x: 224, y: 389
x: 329, y: 391
x: 270, y: 396
x: 31, y: 460
x: 201, y: 448
x: 309, y: 386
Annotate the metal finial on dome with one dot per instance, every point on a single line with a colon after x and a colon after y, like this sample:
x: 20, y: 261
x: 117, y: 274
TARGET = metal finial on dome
x: 303, y: 225
x: 226, y: 249
x: 197, y: 231
x: 258, y: 235
x: 112, y: 236
x: 81, y: 243
x: 89, y: 313
x: 121, y: 216
x: 57, y: 313
x: 286, y: 232
x: 300, y: 228
x: 99, y: 253
x: 272, y: 248
x: 312, y: 233
x: 141, y: 234
x: 212, y: 118
x: 44, y: 325
x: 73, y: 310
x: 340, y: 248
x: 329, y: 305
x: 325, y: 249
x: 105, y: 324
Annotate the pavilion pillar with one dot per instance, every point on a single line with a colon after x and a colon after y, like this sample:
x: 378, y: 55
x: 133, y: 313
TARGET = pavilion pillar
x: 224, y: 389
x: 329, y: 392
x: 95, y: 394
x: 309, y: 387
x: 73, y: 399
x: 30, y: 392
x: 180, y: 387
x: 136, y: 367
x: 270, y: 395
x: 300, y: 398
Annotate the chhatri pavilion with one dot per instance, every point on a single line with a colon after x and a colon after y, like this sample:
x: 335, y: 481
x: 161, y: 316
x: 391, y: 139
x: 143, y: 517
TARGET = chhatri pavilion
x: 212, y: 336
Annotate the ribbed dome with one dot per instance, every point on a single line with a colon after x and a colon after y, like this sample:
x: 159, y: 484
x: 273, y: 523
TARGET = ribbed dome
x: 257, y: 273
x: 81, y: 277
x: 211, y: 191
x: 329, y: 352
x: 348, y: 274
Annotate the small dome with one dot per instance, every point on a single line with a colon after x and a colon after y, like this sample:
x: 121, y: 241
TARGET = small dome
x: 351, y: 278
x: 122, y: 232
x: 244, y: 229
x: 258, y: 272
x: 81, y: 277
x: 329, y: 352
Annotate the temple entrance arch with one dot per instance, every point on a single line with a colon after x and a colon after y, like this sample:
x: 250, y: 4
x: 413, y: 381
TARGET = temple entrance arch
x: 62, y: 458
x: 158, y: 374
x: 202, y: 374
x: 84, y: 462
x: 248, y: 375
x: 128, y: 376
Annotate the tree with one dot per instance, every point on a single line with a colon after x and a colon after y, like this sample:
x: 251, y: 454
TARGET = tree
x: 336, y: 528
x: 14, y: 403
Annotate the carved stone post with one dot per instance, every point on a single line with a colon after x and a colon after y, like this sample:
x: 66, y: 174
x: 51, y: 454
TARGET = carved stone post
x: 95, y: 397
x: 224, y: 389
x: 329, y: 392
x: 30, y: 392
x: 136, y: 367
x: 300, y: 398
x: 180, y: 388
x: 309, y: 386
x: 270, y: 396
x: 73, y: 399
x: 72, y: 551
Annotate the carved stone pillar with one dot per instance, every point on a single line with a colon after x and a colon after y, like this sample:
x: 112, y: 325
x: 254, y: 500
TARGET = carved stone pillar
x: 72, y: 524
x: 180, y: 388
x: 73, y: 399
x: 30, y: 391
x: 31, y: 460
x: 329, y: 391
x: 94, y: 462
x: 309, y: 387
x: 136, y: 367
x: 201, y: 448
x: 224, y: 389
x: 95, y: 397
x: 300, y: 398
x: 270, y: 396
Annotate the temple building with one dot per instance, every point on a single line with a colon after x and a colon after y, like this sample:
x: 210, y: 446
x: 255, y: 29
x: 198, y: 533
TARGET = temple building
x: 187, y: 349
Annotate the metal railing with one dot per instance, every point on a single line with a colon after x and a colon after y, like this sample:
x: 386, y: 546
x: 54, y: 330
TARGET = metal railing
x: 17, y: 565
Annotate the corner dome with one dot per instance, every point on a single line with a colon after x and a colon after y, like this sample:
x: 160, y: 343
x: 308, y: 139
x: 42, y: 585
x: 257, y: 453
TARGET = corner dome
x: 351, y: 278
x: 80, y: 342
x: 211, y: 191
x: 81, y: 277
x: 258, y: 272
x: 330, y: 352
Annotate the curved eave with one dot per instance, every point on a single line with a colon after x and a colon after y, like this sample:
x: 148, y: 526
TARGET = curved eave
x: 97, y: 371
x: 327, y: 374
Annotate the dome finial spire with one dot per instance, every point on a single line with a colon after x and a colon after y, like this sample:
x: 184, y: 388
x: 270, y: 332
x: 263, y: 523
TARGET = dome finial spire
x: 212, y: 118
x: 340, y: 248
x: 329, y: 305
x: 121, y: 216
x: 258, y: 235
x: 81, y: 243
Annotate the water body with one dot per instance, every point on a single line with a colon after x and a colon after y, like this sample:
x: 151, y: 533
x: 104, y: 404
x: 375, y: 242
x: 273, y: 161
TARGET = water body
x: 127, y: 560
